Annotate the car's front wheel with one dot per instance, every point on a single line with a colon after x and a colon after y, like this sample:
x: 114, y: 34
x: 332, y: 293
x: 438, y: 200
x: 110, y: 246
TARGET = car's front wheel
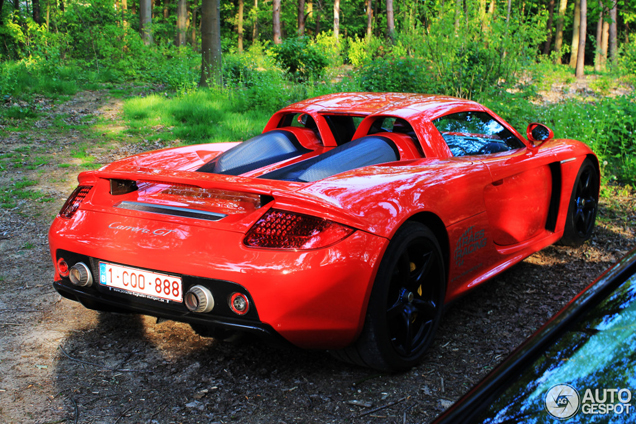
x: 406, y: 303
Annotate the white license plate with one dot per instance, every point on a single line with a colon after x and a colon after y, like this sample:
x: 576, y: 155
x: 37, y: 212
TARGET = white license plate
x: 140, y: 282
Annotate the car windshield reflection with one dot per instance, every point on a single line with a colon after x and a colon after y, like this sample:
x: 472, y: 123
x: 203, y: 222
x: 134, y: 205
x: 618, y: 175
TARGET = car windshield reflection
x: 597, y: 357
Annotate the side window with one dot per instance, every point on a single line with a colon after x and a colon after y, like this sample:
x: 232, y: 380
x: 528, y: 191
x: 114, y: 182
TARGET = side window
x: 475, y: 133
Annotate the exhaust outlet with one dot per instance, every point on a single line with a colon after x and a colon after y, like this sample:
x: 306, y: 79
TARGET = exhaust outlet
x: 80, y: 275
x: 199, y: 299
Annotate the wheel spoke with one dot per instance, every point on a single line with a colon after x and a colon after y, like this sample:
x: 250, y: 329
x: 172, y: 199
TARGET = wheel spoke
x: 395, y: 309
x: 588, y: 178
x: 426, y: 308
x: 416, y: 278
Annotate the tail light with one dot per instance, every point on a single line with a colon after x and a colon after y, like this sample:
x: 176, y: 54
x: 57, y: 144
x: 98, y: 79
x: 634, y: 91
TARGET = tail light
x: 74, y: 201
x: 288, y: 230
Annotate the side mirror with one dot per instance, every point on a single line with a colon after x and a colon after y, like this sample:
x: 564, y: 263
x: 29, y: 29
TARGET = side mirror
x: 538, y: 134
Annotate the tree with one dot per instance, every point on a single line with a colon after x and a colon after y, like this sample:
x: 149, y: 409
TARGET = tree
x: 37, y: 17
x: 241, y: 6
x: 369, y: 19
x: 613, y: 42
x: 604, y: 40
x: 301, y: 18
x: 210, y: 42
x: 255, y: 27
x: 336, y: 19
x: 182, y: 13
x: 145, y: 20
x: 558, y: 42
x: 193, y: 27
x: 599, y: 39
x: 276, y: 21
x: 576, y: 29
x: 580, y: 60
x: 390, y: 21
x: 548, y: 41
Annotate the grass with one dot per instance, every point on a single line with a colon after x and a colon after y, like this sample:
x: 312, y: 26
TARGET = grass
x: 204, y: 116
x: 10, y: 195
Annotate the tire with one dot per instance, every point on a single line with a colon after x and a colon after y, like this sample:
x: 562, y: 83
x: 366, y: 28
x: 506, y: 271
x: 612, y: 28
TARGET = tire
x: 406, y: 303
x: 583, y: 206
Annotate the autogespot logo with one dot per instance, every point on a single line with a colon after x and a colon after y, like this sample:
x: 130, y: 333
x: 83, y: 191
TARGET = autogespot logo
x: 562, y: 401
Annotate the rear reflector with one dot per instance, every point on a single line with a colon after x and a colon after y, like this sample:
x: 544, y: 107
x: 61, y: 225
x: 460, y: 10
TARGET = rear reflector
x: 74, y: 201
x: 288, y: 230
x: 62, y: 267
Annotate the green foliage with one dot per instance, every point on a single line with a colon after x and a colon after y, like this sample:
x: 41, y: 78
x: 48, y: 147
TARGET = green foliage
x: 607, y: 126
x: 300, y: 58
x: 362, y: 50
x: 330, y: 49
x: 476, y: 57
x: 402, y: 74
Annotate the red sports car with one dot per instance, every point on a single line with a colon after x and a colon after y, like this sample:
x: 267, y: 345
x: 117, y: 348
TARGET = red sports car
x: 346, y: 225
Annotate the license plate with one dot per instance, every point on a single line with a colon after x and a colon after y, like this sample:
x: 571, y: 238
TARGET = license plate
x: 140, y: 282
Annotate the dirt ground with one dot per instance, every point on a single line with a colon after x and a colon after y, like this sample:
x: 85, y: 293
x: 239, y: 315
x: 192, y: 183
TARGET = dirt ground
x: 60, y: 362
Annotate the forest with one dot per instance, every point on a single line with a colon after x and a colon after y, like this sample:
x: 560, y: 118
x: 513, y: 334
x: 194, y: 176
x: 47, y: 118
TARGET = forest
x: 235, y: 62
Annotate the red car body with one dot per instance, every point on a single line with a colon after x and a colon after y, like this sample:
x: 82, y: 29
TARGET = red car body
x: 487, y: 211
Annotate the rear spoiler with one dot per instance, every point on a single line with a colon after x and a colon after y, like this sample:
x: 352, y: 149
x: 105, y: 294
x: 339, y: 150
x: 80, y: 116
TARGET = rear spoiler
x: 284, y: 193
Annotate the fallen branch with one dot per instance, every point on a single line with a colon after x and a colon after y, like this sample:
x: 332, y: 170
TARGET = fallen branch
x: 379, y: 408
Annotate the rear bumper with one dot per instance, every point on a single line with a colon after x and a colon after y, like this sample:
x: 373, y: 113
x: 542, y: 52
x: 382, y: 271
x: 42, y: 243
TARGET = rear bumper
x: 313, y: 299
x: 97, y: 301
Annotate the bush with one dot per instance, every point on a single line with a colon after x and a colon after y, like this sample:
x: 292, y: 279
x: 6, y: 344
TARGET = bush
x: 403, y: 74
x: 300, y: 59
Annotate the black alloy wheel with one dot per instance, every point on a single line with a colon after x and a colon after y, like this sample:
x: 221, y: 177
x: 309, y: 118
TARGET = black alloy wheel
x: 583, y: 206
x: 412, y: 304
x: 406, y: 303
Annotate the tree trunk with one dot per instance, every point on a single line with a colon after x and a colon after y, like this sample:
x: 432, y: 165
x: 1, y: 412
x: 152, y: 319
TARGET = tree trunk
x: 48, y: 15
x: 318, y: 20
x: 16, y: 4
x: 576, y: 29
x: 369, y: 19
x: 558, y: 42
x: 36, y: 11
x: 301, y: 18
x: 580, y: 59
x: 510, y: 9
x: 1, y: 5
x: 604, y: 40
x: 124, y: 9
x: 458, y: 13
x: 182, y: 14
x: 145, y: 20
x: 193, y: 26
x: 62, y: 5
x: 336, y: 19
x: 390, y: 20
x: 613, y: 42
x: 241, y: 7
x: 166, y: 9
x: 255, y: 27
x: 276, y: 20
x: 548, y: 41
x: 210, y: 43
x: 309, y: 7
x: 599, y: 38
